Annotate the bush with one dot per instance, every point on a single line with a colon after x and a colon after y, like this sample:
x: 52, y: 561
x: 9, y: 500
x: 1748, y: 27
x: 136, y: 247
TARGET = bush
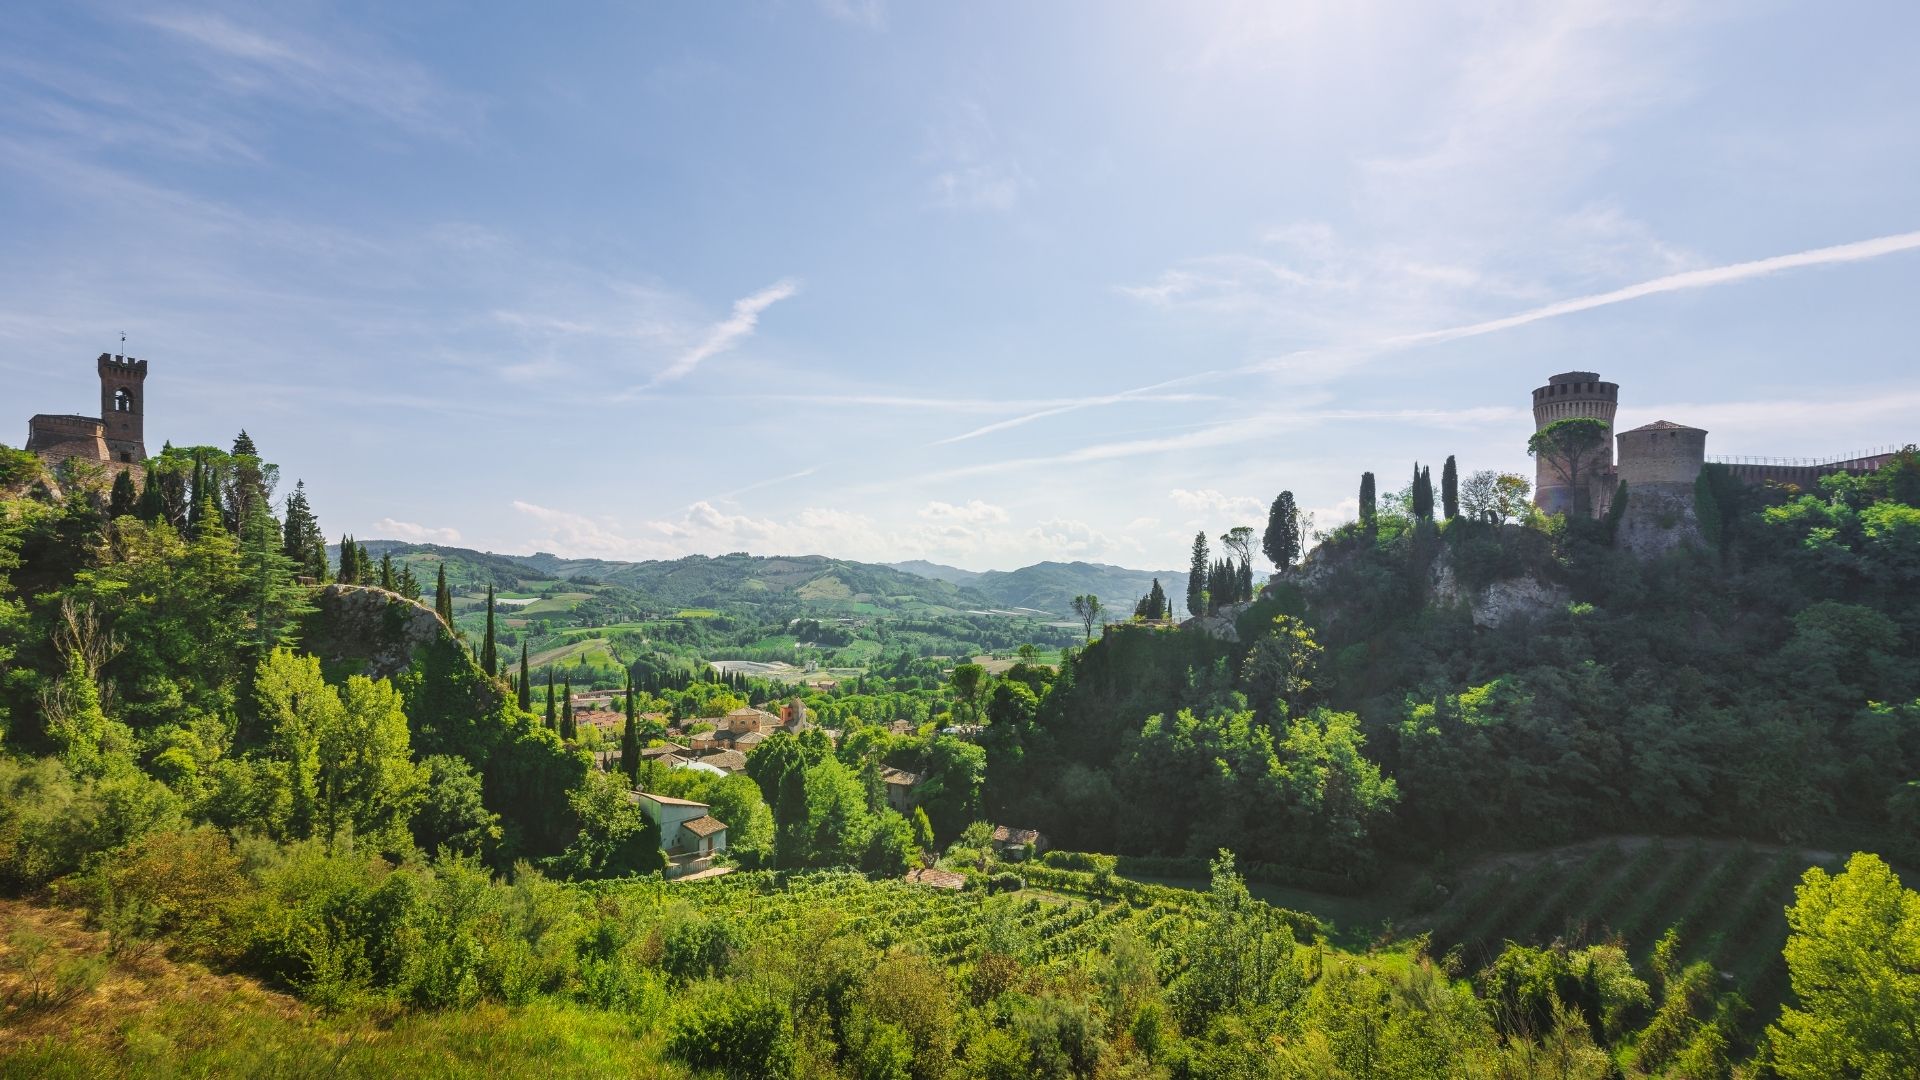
x: 741, y: 1031
x: 999, y: 883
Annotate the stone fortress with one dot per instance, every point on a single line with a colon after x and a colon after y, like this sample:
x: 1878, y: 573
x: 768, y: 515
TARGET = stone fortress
x: 1657, y: 462
x: 115, y: 438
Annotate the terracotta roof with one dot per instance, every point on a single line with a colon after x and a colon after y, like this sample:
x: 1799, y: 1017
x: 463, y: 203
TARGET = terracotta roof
x: 731, y: 760
x: 704, y: 826
x: 751, y: 738
x: 939, y: 879
x: 898, y: 776
x: 667, y: 800
x: 661, y: 751
x: 1004, y: 835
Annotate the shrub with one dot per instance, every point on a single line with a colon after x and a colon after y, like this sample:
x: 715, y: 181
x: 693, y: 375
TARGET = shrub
x: 741, y: 1031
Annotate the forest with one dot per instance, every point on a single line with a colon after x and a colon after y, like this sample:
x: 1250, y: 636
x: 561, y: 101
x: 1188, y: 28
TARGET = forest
x: 422, y: 869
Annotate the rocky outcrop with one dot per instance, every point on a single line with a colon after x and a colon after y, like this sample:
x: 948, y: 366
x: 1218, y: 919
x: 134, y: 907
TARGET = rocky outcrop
x: 379, y: 629
x: 1220, y: 624
x: 1498, y: 602
x: 1658, y: 518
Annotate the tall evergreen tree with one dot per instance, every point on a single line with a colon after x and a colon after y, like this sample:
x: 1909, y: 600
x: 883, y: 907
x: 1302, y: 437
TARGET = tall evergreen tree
x: 1197, y: 575
x: 387, y: 579
x: 408, y: 585
x: 362, y: 564
x: 569, y: 727
x: 199, y: 495
x: 630, y: 739
x: 526, y: 687
x: 1450, y: 489
x: 153, y: 504
x: 1281, y: 544
x: 301, y: 538
x: 1246, y: 581
x: 443, y: 598
x: 347, y: 575
x: 1156, y: 601
x: 124, y: 497
x: 552, y: 725
x: 1367, y: 508
x: 1422, y: 492
x: 489, y: 658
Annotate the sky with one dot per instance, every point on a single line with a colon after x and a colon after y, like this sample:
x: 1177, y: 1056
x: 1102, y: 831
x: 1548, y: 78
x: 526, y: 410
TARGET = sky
x: 985, y: 283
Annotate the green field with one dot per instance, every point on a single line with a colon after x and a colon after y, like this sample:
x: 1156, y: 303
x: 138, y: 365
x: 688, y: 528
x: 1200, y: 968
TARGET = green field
x: 595, y: 651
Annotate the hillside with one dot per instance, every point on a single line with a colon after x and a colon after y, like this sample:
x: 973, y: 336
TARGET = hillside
x: 1051, y: 586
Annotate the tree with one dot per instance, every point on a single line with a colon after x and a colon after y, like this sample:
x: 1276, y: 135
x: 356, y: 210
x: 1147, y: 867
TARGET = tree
x: 1366, y: 500
x: 569, y: 726
x: 453, y: 814
x: 1282, y: 543
x: 349, y: 574
x: 968, y: 681
x: 301, y: 538
x: 551, y: 724
x: 489, y: 658
x: 1422, y: 494
x: 1239, y: 541
x: 388, y: 580
x: 124, y: 497
x: 1087, y: 608
x: 630, y: 739
x: 1197, y: 576
x: 525, y: 686
x: 443, y: 598
x: 1566, y: 445
x: 615, y: 839
x: 1853, y: 955
x: 1450, y: 489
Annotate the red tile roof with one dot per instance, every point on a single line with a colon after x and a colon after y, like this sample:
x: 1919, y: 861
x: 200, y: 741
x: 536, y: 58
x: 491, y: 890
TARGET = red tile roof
x: 704, y: 826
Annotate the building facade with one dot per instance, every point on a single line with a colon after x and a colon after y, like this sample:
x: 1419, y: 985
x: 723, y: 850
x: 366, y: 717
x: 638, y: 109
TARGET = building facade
x: 116, y: 437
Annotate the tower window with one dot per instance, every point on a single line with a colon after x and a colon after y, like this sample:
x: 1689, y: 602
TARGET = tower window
x: 123, y: 400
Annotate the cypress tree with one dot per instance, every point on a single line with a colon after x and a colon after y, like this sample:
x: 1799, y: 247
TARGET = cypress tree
x: 1450, y: 489
x: 1366, y: 500
x: 569, y: 727
x: 1197, y: 575
x: 123, y: 499
x: 346, y: 575
x: 196, y: 497
x: 153, y: 504
x: 362, y: 564
x: 1281, y: 544
x: 443, y: 598
x: 489, y: 659
x: 526, y: 689
x: 387, y: 580
x: 551, y: 725
x: 630, y: 739
x: 1246, y: 580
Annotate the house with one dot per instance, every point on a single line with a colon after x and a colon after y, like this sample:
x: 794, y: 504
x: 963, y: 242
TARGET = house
x: 900, y: 784
x: 939, y: 879
x: 741, y: 721
x: 1018, y: 843
x: 688, y: 833
x: 748, y: 741
x: 901, y: 727
x: 727, y: 761
x: 793, y: 715
x: 704, y: 740
x: 654, y: 753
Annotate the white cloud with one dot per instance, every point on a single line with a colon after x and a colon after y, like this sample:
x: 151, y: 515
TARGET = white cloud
x: 1211, y: 503
x: 419, y: 534
x: 974, y: 512
x: 728, y: 333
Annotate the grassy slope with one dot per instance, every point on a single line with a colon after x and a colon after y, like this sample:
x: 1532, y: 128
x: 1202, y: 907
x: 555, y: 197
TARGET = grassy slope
x: 153, y: 1018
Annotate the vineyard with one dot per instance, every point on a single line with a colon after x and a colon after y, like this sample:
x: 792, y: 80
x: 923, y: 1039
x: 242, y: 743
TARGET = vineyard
x: 1726, y: 900
x: 1067, y: 914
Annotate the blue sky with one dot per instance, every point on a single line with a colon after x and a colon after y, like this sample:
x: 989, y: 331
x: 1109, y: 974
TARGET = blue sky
x: 979, y: 283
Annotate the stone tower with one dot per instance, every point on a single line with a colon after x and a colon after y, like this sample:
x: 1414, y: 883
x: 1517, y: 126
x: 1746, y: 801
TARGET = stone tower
x: 123, y: 406
x: 1570, y: 394
x: 1659, y: 463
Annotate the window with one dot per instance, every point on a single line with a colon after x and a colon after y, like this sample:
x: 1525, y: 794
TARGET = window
x: 123, y: 400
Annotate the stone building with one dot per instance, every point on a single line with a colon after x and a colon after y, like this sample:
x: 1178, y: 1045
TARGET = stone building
x: 116, y: 437
x: 1566, y: 396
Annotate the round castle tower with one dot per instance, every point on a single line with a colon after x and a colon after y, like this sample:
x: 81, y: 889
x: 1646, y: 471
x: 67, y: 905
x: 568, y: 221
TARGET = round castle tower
x: 1662, y: 453
x: 1567, y: 395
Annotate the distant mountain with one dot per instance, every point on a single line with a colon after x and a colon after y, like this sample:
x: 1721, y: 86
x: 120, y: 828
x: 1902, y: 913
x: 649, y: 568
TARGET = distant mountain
x: 813, y: 582
x: 937, y: 571
x: 1051, y: 586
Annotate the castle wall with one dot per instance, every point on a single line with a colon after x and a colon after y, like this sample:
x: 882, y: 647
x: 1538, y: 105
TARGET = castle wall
x: 58, y: 438
x: 1566, y: 396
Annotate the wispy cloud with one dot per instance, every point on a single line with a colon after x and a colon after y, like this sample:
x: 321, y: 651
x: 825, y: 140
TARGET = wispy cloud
x: 725, y: 335
x: 1145, y: 393
x: 871, y: 14
x: 419, y: 534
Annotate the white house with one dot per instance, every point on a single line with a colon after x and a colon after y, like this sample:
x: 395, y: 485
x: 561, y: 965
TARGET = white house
x: 689, y: 834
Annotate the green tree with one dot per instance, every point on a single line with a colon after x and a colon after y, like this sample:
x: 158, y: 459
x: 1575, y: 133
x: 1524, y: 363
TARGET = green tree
x: 1087, y: 609
x: 615, y: 839
x: 552, y: 722
x: 367, y: 780
x: 124, y: 497
x: 569, y: 725
x: 1281, y: 543
x: 1197, y: 576
x: 453, y: 813
x: 1853, y: 955
x: 524, y: 685
x: 1566, y: 447
x: 302, y: 541
x: 1367, y: 508
x: 489, y: 658
x: 1450, y: 489
x: 629, y: 738
x: 349, y: 574
x: 443, y: 597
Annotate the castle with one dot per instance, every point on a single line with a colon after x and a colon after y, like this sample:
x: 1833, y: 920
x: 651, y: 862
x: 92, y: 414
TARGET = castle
x: 116, y: 437
x: 1658, y: 464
